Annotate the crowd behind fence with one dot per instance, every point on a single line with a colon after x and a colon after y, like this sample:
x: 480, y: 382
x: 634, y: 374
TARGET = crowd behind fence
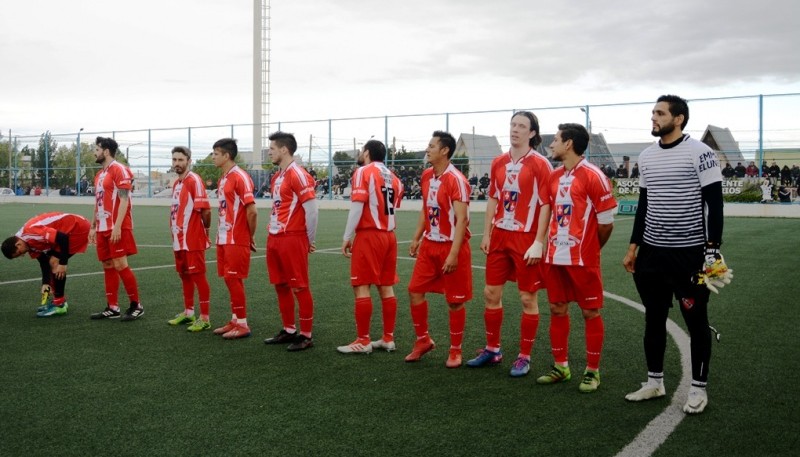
x: 760, y: 127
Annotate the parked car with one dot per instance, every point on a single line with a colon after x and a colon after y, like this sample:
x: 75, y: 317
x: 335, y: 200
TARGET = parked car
x: 6, y: 191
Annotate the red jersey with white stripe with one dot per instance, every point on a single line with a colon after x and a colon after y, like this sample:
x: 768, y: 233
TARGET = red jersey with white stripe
x: 107, y: 184
x: 381, y: 192
x: 576, y: 198
x: 39, y: 233
x: 290, y: 188
x: 235, y: 192
x: 521, y: 188
x: 189, y: 197
x: 438, y: 195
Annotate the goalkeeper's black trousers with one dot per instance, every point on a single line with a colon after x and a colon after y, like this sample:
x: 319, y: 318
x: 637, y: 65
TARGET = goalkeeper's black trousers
x: 657, y: 288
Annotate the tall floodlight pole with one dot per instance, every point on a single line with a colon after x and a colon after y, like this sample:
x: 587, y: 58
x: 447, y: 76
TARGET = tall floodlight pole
x: 261, y: 77
x: 78, y: 164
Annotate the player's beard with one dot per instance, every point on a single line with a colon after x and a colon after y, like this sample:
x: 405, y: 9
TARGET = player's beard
x: 99, y: 160
x: 663, y: 130
x: 360, y: 161
x: 178, y: 170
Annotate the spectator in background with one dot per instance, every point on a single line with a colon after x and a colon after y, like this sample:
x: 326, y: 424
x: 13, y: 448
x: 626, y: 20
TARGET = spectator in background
x: 795, y: 175
x: 774, y: 170
x: 784, y: 194
x: 786, y: 176
x: 728, y: 171
x: 740, y: 170
x: 473, y: 181
x: 484, y: 183
x: 622, y: 172
x: 635, y: 171
x: 752, y: 170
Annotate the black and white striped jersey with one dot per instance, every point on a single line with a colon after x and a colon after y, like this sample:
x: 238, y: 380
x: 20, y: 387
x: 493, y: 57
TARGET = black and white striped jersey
x: 674, y: 178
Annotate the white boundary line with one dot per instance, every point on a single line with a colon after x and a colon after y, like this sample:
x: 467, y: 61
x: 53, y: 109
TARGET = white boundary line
x: 646, y: 442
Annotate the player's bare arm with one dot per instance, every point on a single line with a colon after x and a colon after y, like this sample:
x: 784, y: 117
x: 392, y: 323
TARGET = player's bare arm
x: 416, y: 238
x: 252, y: 224
x: 604, y: 233
x: 491, y: 207
x: 630, y: 258
x: 451, y: 262
x: 116, y: 231
x: 536, y: 252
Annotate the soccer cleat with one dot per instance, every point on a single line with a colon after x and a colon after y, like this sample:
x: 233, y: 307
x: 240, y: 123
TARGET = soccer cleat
x: 696, y: 401
x: 135, y: 311
x: 591, y: 381
x: 225, y: 328
x: 648, y: 391
x: 520, y: 367
x: 181, y: 319
x: 356, y: 347
x: 421, y: 347
x: 300, y: 343
x: 282, y: 337
x: 388, y: 346
x: 199, y: 325
x: 238, y: 331
x: 556, y: 375
x: 53, y: 310
x: 107, y: 313
x: 485, y: 357
x: 454, y: 359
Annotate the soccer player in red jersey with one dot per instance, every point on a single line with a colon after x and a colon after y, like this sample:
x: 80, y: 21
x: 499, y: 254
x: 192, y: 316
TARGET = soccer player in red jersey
x: 583, y: 218
x: 50, y: 238
x: 112, y: 230
x: 441, y: 246
x: 291, y: 231
x: 517, y: 214
x: 376, y: 192
x: 189, y: 219
x: 238, y: 219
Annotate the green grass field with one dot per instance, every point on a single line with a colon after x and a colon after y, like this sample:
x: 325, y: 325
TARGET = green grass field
x: 71, y: 386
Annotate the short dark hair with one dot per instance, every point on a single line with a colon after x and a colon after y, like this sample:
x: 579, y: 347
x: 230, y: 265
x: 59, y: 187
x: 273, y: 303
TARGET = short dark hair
x: 376, y: 149
x: 677, y: 106
x: 283, y: 139
x: 183, y: 150
x: 9, y: 247
x: 578, y: 134
x: 537, y: 139
x: 107, y: 143
x: 229, y: 146
x: 446, y: 140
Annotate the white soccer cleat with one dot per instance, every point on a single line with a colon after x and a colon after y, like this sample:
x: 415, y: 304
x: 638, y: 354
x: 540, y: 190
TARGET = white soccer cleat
x: 648, y: 391
x: 696, y: 401
x: 356, y: 347
x: 387, y: 346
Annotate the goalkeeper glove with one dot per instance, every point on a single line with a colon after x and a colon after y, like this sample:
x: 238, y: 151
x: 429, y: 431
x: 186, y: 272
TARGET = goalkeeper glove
x: 715, y: 273
x: 45, y: 296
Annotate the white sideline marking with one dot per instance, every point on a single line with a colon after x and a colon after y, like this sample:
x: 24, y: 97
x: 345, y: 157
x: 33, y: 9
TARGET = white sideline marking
x: 646, y: 442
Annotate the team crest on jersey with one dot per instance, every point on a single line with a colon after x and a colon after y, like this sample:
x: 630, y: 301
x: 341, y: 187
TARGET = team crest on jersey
x: 276, y: 205
x: 510, y: 199
x: 433, y: 216
x: 688, y: 303
x: 223, y: 208
x: 563, y: 215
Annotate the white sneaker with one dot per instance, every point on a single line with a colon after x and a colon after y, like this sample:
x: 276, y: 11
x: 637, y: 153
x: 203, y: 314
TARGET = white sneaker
x: 355, y: 348
x: 388, y: 346
x: 696, y: 401
x: 647, y: 392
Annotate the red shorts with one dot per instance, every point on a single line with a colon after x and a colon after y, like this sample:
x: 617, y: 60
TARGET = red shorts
x: 287, y: 259
x: 567, y: 283
x: 505, y: 261
x: 233, y: 261
x: 428, y: 277
x: 190, y: 262
x: 106, y: 250
x: 374, y: 259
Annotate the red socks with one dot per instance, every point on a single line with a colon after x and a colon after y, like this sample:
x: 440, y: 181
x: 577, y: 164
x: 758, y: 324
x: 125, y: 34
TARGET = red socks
x: 188, y: 291
x: 458, y: 318
x: 389, y: 308
x: 305, y: 303
x: 493, y: 318
x: 363, y: 312
x: 129, y: 281
x: 286, y: 306
x: 559, y: 338
x: 203, y: 293
x: 238, y: 298
x: 527, y: 333
x: 419, y: 315
x: 595, y: 332
x: 111, y: 280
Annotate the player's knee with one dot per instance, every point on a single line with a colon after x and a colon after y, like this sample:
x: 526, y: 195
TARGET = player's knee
x: 416, y: 298
x: 492, y: 295
x: 590, y: 313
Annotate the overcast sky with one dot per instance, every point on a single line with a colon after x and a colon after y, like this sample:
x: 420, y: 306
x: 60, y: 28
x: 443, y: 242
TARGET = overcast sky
x: 113, y: 65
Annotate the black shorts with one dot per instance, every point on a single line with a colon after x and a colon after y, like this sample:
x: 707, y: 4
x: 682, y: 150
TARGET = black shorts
x: 663, y: 273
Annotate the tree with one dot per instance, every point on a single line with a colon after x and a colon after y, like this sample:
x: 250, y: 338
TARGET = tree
x: 205, y: 169
x: 343, y: 160
x: 42, y: 159
x: 461, y: 162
